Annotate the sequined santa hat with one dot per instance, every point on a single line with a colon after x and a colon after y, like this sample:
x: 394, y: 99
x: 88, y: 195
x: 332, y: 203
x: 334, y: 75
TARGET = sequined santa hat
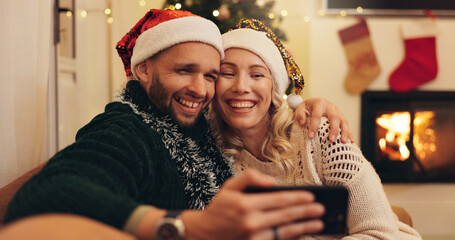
x: 253, y: 35
x: 161, y: 29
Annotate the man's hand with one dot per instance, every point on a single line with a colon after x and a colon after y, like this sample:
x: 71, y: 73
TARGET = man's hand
x: 319, y: 107
x: 234, y: 214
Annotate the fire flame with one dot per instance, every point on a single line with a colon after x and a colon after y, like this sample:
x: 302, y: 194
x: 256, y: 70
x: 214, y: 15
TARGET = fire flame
x: 424, y: 136
x: 398, y: 126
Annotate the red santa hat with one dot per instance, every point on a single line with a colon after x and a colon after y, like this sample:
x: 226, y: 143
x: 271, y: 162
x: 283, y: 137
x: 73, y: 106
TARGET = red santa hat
x: 161, y: 29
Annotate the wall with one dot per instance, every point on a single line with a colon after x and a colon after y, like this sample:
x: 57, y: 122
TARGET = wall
x: 125, y: 13
x: 83, y: 81
x: 91, y: 58
x: 432, y: 206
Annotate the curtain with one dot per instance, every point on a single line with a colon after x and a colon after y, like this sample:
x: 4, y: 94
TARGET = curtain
x: 25, y: 28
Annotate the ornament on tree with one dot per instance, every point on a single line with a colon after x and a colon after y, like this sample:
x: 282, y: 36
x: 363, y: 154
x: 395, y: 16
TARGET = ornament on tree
x: 420, y: 64
x: 224, y: 13
x: 260, y: 3
x: 363, y: 66
x: 188, y: 2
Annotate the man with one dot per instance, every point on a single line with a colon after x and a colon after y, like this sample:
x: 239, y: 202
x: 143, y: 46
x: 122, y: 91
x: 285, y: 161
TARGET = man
x: 151, y: 155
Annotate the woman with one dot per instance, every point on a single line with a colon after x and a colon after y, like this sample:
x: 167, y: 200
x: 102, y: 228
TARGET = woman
x: 255, y: 129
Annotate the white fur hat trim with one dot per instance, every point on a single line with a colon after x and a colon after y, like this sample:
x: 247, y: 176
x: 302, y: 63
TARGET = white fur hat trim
x: 294, y: 100
x: 172, y: 32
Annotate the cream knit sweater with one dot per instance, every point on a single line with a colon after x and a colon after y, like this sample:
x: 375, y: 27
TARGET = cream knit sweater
x: 320, y: 162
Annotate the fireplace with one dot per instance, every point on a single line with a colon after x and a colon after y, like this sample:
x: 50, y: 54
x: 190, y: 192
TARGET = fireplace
x: 409, y: 137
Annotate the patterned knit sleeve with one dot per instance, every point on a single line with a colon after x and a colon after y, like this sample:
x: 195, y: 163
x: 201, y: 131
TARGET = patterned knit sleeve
x: 369, y: 213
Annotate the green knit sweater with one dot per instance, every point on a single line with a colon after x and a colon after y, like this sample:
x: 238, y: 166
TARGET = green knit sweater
x: 127, y: 156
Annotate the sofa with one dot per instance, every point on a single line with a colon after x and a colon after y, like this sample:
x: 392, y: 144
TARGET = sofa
x: 7, y: 192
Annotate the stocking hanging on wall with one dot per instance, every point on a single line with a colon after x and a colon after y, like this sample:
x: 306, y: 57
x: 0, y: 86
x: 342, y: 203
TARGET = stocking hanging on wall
x: 420, y: 63
x: 363, y: 66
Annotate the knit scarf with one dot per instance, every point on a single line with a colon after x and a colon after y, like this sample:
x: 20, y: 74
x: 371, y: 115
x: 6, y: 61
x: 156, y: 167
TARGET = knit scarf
x: 201, y: 166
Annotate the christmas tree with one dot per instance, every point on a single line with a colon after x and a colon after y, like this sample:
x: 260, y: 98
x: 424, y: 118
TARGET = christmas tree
x: 226, y: 13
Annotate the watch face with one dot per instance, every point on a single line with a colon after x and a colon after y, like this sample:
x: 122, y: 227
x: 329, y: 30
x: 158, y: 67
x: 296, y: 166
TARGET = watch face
x: 168, y: 231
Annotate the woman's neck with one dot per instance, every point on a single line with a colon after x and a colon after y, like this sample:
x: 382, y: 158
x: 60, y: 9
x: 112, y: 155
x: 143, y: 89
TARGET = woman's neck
x: 253, y: 138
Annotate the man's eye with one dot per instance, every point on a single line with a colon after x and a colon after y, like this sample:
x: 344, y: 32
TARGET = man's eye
x: 211, y: 77
x: 183, y: 71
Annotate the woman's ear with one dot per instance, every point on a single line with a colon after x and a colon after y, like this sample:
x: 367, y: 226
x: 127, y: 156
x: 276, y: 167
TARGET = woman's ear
x: 142, y: 71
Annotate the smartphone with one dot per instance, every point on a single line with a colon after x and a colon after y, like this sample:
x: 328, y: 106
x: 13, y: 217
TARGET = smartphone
x: 334, y: 198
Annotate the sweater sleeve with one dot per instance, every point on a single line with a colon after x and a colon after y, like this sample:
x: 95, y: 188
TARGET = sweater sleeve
x: 99, y: 176
x: 369, y: 213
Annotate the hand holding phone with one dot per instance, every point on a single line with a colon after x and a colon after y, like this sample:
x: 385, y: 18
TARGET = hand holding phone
x: 334, y: 199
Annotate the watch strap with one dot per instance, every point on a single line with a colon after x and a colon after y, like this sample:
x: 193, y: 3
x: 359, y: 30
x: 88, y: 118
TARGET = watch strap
x: 173, y: 213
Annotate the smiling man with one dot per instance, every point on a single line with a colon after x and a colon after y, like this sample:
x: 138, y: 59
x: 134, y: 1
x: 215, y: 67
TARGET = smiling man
x: 189, y: 80
x: 148, y: 165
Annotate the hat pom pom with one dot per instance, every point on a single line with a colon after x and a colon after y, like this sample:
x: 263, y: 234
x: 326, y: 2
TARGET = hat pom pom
x: 294, y: 101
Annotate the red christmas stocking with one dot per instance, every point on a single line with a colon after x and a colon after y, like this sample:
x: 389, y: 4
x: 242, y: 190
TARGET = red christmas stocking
x: 420, y: 63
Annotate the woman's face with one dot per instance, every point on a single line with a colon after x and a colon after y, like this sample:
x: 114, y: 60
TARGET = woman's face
x: 243, y: 92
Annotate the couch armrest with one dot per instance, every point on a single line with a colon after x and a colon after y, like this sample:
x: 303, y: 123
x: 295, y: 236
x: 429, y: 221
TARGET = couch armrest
x: 7, y: 192
x: 402, y: 215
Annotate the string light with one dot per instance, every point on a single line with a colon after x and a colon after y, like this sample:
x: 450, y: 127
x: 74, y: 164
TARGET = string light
x: 271, y: 15
x: 69, y: 13
x: 172, y: 7
x: 306, y: 19
x: 343, y: 13
x: 142, y: 3
x: 321, y: 13
x: 178, y: 6
x: 284, y: 13
x: 107, y: 11
x: 359, y: 9
x: 260, y: 3
x: 216, y: 13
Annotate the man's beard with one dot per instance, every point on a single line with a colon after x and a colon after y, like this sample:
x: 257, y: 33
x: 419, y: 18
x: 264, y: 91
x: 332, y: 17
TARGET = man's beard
x: 159, y: 95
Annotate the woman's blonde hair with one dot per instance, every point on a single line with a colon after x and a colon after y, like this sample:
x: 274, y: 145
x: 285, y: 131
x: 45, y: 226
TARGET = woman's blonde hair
x: 276, y: 146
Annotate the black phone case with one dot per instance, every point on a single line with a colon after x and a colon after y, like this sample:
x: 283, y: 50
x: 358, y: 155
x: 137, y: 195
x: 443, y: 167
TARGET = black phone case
x: 334, y: 198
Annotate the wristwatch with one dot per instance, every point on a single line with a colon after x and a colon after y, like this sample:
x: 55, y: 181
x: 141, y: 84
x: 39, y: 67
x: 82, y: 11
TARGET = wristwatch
x: 170, y: 227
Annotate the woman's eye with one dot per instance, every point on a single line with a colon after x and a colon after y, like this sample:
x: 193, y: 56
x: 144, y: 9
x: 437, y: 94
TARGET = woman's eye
x: 227, y: 74
x: 257, y: 75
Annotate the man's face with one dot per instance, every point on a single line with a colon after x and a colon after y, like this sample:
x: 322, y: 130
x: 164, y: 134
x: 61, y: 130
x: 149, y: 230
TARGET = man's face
x: 181, y: 80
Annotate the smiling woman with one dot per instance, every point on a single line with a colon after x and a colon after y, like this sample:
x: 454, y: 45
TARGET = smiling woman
x: 256, y: 130
x: 244, y: 91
